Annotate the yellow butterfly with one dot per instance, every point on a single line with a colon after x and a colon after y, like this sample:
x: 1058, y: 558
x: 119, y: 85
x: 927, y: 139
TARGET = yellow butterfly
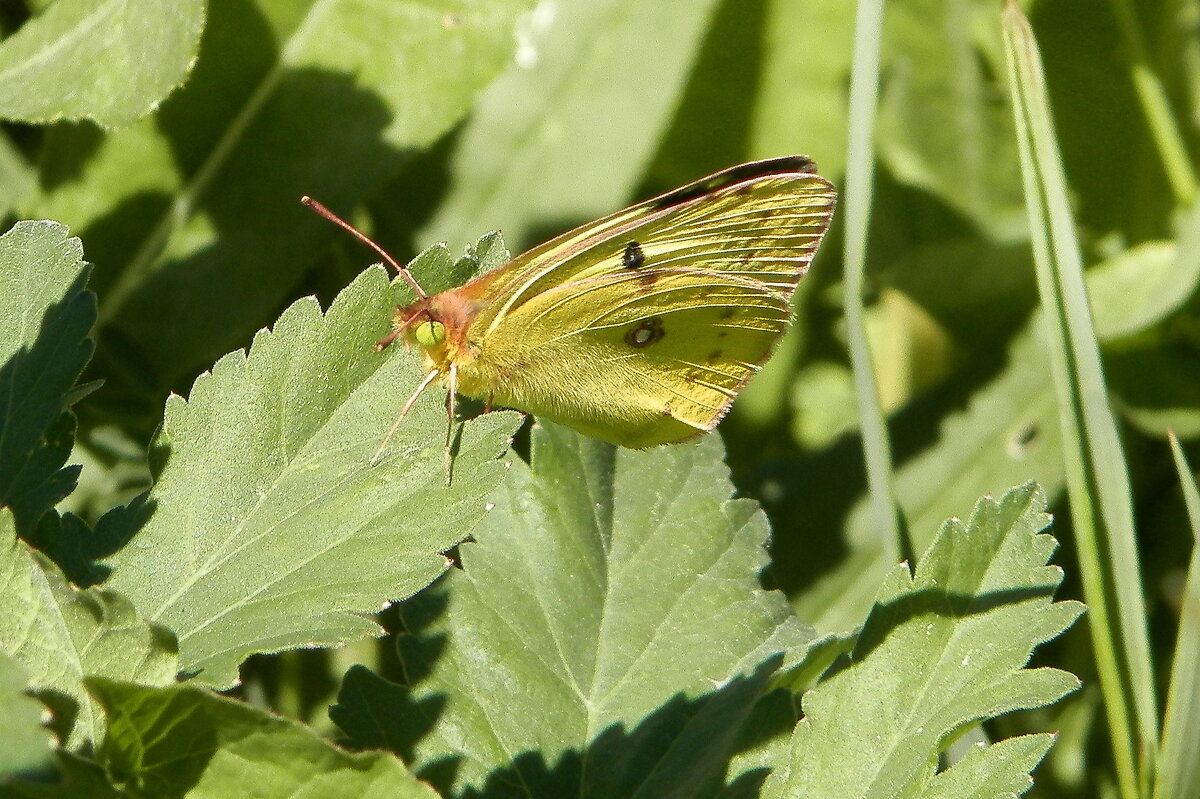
x: 637, y: 329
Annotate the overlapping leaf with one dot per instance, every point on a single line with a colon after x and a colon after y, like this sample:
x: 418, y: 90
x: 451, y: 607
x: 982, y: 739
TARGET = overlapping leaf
x: 941, y: 650
x: 268, y: 527
x: 193, y: 215
x: 133, y: 53
x: 60, y: 635
x: 44, y: 346
x: 186, y: 741
x: 607, y: 635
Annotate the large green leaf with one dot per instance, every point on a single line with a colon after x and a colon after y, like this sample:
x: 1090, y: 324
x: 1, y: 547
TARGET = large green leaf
x: 563, y: 136
x: 133, y: 53
x: 25, y: 744
x: 17, y: 176
x: 963, y: 150
x: 44, y: 345
x: 268, y: 526
x: 801, y: 103
x: 1001, y: 769
x: 184, y: 741
x: 606, y: 636
x: 193, y: 215
x: 60, y: 635
x: 942, y: 650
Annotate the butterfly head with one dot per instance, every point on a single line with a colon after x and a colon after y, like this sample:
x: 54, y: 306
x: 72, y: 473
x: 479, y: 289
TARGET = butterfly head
x: 438, y: 326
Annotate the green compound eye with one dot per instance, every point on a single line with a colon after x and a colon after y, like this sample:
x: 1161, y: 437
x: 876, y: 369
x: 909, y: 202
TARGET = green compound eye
x: 430, y: 334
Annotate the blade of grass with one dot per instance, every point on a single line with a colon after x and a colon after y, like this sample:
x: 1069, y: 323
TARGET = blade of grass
x: 1178, y: 756
x: 1156, y: 107
x: 860, y: 167
x: 1097, y: 476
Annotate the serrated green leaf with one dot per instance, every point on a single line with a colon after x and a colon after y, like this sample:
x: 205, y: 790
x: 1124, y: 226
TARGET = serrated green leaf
x: 194, y: 214
x: 44, y: 345
x: 767, y: 734
x: 998, y: 771
x: 185, y: 741
x: 941, y: 650
x: 60, y: 635
x: 598, y: 78
x: 136, y: 52
x: 487, y: 254
x: 26, y: 747
x: 268, y: 527
x: 609, y: 613
x: 1008, y: 432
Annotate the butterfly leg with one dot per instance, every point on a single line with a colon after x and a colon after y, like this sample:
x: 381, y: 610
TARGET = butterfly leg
x: 429, y: 378
x: 487, y: 406
x: 452, y: 384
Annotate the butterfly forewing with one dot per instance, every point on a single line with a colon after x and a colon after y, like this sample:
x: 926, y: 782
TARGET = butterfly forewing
x: 761, y: 221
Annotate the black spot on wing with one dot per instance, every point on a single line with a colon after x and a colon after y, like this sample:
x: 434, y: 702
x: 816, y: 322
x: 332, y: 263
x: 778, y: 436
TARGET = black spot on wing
x: 645, y: 333
x: 732, y: 175
x: 633, y: 257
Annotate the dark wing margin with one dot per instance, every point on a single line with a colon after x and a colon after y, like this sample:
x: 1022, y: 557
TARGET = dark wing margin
x: 732, y: 175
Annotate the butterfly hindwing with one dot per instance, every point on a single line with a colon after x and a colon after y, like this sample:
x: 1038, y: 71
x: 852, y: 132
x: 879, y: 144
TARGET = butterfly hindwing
x: 650, y: 357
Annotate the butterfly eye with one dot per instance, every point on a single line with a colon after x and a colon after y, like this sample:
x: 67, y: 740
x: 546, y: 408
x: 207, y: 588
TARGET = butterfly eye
x: 430, y: 334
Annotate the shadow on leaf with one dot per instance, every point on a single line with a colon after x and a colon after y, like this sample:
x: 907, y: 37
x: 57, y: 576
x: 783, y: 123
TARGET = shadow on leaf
x: 684, y: 747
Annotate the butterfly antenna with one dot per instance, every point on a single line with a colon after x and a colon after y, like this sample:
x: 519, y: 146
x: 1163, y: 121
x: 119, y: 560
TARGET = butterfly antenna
x: 429, y: 378
x: 344, y: 225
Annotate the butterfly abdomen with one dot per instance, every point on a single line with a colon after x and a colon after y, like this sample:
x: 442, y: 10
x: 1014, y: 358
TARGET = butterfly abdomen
x: 586, y: 389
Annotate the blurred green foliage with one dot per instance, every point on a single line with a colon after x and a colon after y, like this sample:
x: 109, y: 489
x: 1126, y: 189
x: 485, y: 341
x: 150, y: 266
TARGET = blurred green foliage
x: 443, y: 120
